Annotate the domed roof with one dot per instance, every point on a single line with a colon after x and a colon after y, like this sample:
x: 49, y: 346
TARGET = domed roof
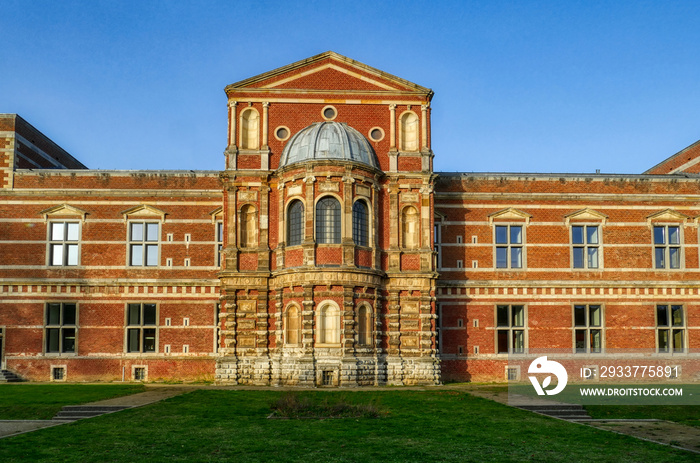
x: 328, y: 140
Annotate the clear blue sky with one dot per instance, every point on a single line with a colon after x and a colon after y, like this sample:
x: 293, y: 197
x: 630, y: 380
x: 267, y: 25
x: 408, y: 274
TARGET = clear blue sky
x: 522, y: 86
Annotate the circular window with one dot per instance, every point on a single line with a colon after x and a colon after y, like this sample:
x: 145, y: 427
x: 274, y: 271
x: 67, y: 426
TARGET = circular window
x: 329, y: 113
x: 376, y: 134
x: 282, y: 133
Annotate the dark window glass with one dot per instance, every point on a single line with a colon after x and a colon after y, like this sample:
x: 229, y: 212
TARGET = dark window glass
x: 328, y: 221
x: 295, y: 223
x: 360, y: 224
x: 141, y: 332
x: 61, y: 328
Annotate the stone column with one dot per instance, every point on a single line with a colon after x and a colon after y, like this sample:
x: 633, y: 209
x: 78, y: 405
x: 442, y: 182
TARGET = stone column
x: 232, y: 123
x: 346, y: 237
x: 281, y: 221
x: 395, y: 227
x: 393, y: 152
x: 263, y: 241
x: 424, y: 127
x: 425, y: 222
x: 309, y: 243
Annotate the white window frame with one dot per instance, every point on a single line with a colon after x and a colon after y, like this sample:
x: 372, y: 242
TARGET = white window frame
x: 671, y: 328
x: 219, y: 239
x: 131, y: 243
x: 511, y: 328
x: 141, y: 326
x: 64, y: 243
x: 60, y: 326
x: 509, y: 246
x: 666, y: 246
x: 586, y: 246
x: 588, y: 328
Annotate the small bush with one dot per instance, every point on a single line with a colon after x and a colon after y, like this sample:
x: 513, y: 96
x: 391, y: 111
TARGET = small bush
x: 292, y: 405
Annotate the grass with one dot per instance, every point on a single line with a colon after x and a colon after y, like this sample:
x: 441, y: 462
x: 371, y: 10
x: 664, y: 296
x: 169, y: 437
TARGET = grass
x: 43, y: 401
x: 295, y: 406
x: 420, y: 426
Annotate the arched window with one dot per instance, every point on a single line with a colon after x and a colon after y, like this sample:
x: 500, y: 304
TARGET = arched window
x: 295, y: 223
x: 409, y: 132
x: 328, y: 220
x: 360, y: 224
x: 250, y: 129
x: 247, y: 224
x: 409, y: 228
x: 364, y: 322
x: 292, y: 326
x: 328, y: 325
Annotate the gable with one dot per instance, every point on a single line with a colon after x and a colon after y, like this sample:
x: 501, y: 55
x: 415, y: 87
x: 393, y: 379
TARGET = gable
x: 510, y: 214
x: 686, y: 161
x: 327, y: 71
x: 586, y: 214
x: 330, y: 77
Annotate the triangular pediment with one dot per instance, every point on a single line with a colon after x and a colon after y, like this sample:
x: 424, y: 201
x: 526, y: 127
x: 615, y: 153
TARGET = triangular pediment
x: 217, y: 214
x: 667, y: 215
x: 328, y: 71
x: 63, y: 210
x: 510, y: 214
x: 586, y: 215
x: 143, y: 210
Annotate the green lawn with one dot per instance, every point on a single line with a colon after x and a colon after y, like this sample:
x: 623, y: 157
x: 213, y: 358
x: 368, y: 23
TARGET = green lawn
x: 43, y: 401
x: 223, y: 425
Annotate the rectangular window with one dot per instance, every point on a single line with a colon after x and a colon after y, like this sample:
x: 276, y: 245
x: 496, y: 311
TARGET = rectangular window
x: 61, y: 328
x: 143, y: 244
x: 509, y: 246
x: 437, y: 240
x: 588, y: 328
x: 670, y: 328
x: 219, y: 242
x: 63, y: 243
x: 510, y: 329
x: 141, y: 331
x: 667, y: 246
x: 586, y: 246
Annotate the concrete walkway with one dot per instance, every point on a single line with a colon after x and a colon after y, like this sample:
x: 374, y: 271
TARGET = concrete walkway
x: 658, y: 431
x: 152, y: 395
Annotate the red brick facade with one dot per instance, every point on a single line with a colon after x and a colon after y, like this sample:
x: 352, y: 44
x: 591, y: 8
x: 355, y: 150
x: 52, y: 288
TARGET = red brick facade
x: 160, y: 275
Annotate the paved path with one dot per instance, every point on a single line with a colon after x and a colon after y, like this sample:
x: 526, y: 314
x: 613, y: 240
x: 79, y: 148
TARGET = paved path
x: 659, y: 431
x: 152, y: 395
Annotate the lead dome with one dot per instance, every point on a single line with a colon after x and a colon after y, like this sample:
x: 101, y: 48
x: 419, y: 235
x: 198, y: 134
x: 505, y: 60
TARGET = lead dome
x: 328, y: 140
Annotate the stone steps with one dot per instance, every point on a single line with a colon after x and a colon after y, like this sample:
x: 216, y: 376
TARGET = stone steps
x: 562, y: 411
x: 77, y: 412
x: 6, y: 376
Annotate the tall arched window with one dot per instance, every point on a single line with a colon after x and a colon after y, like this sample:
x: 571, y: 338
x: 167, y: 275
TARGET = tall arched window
x: 409, y: 132
x: 295, y: 223
x: 409, y: 228
x: 328, y: 325
x: 360, y: 224
x: 248, y: 226
x: 292, y: 326
x: 328, y: 220
x: 250, y: 129
x: 364, y: 322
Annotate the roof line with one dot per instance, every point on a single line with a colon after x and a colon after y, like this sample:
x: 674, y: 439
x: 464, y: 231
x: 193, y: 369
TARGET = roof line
x: 322, y: 56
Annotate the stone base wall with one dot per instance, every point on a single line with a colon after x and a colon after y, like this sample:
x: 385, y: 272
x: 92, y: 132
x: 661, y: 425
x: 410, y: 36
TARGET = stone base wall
x: 309, y: 370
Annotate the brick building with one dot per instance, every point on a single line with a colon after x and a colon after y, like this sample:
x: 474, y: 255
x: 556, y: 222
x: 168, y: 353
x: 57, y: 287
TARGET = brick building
x: 328, y: 252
